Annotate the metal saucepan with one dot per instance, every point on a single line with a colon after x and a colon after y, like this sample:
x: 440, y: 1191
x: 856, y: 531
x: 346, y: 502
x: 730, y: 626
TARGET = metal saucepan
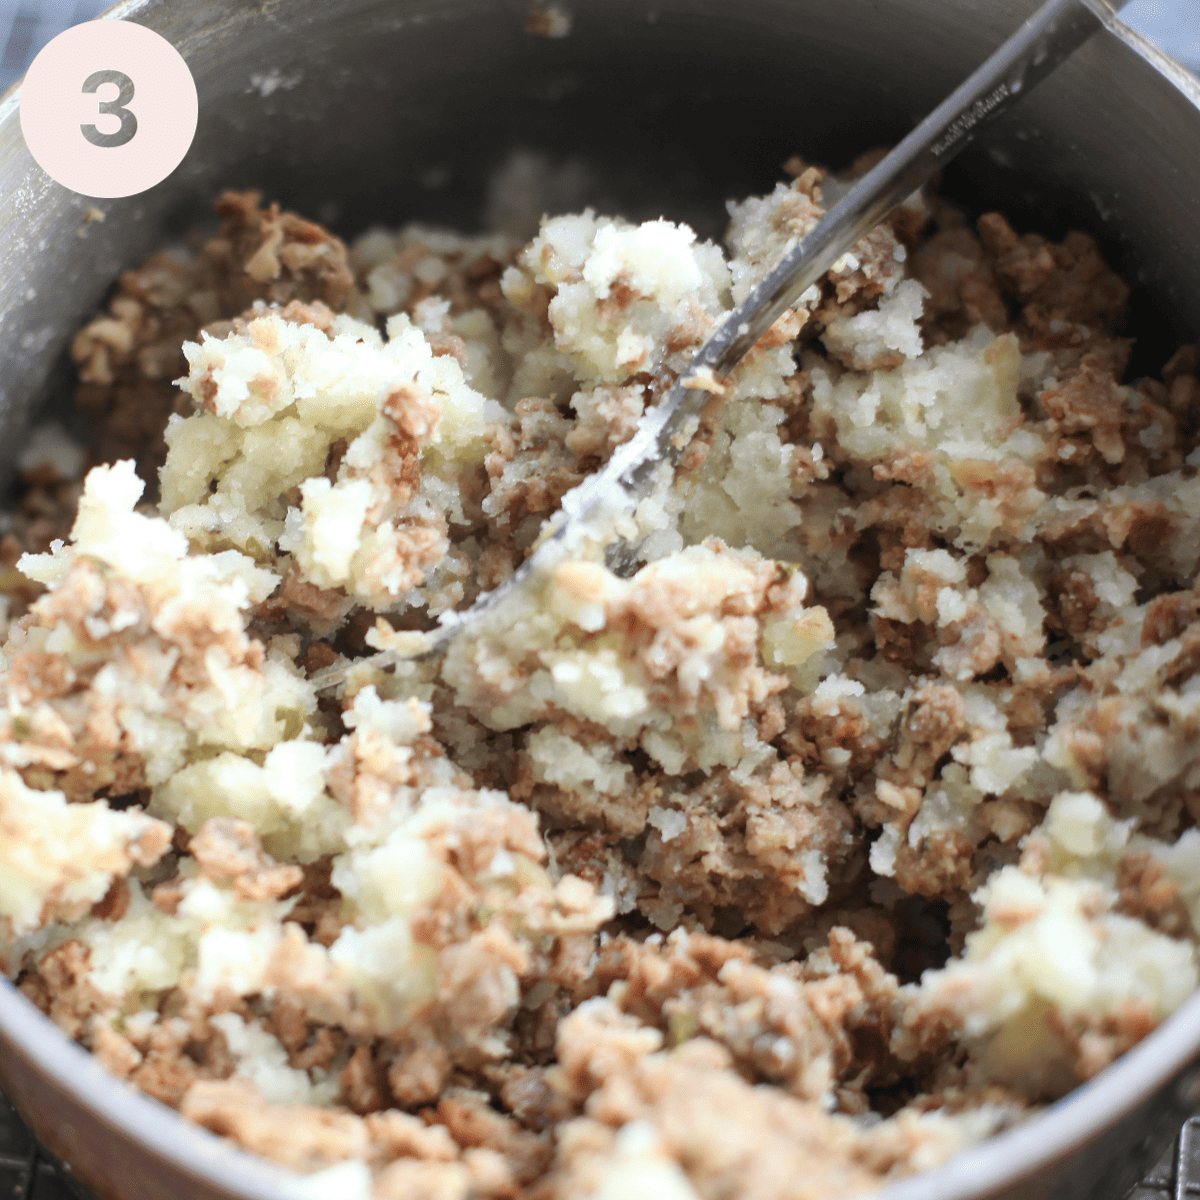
x: 356, y: 111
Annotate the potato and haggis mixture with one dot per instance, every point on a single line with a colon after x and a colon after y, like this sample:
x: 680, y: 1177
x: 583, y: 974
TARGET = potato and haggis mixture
x: 855, y: 824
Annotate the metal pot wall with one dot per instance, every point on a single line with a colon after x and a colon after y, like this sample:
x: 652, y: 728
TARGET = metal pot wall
x: 388, y: 110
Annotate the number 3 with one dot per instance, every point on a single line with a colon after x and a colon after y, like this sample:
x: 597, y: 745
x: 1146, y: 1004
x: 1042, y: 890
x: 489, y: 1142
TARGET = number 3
x: 114, y: 108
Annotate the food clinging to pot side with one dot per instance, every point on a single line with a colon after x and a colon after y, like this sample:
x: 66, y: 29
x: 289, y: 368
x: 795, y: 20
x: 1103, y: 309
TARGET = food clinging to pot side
x: 855, y: 825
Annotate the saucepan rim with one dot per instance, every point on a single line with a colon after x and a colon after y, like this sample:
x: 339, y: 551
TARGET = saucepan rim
x: 1031, y: 1146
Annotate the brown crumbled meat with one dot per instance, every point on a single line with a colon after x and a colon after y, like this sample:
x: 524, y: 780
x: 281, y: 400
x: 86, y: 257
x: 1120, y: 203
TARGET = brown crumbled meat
x: 801, y: 1028
x: 962, y: 285
x: 740, y: 835
x: 934, y: 723
x: 612, y: 418
x: 129, y: 356
x: 1149, y: 893
x: 532, y: 467
x: 1010, y: 485
x: 473, y: 1123
x: 115, y: 903
x: 322, y: 609
x: 266, y: 254
x: 1055, y: 284
x: 878, y: 266
x: 900, y: 518
x: 229, y: 850
x: 416, y: 1077
x: 364, y: 1081
x: 178, y: 1052
x: 117, y: 1053
x: 1086, y: 403
x: 71, y: 733
x: 59, y: 986
x: 1170, y: 615
x: 779, y: 1146
x: 317, y: 907
x: 297, y: 1136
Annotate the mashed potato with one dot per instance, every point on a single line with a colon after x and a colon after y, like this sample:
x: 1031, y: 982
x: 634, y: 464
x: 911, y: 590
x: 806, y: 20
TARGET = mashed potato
x: 853, y: 825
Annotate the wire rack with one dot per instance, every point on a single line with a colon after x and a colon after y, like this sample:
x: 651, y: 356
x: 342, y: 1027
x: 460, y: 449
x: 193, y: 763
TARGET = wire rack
x: 28, y: 1172
x: 1176, y: 1176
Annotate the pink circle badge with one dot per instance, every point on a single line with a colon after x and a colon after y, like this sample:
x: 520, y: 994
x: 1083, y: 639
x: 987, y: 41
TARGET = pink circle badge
x: 108, y: 108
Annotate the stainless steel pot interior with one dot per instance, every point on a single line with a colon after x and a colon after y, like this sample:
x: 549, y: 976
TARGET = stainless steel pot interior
x: 388, y: 110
